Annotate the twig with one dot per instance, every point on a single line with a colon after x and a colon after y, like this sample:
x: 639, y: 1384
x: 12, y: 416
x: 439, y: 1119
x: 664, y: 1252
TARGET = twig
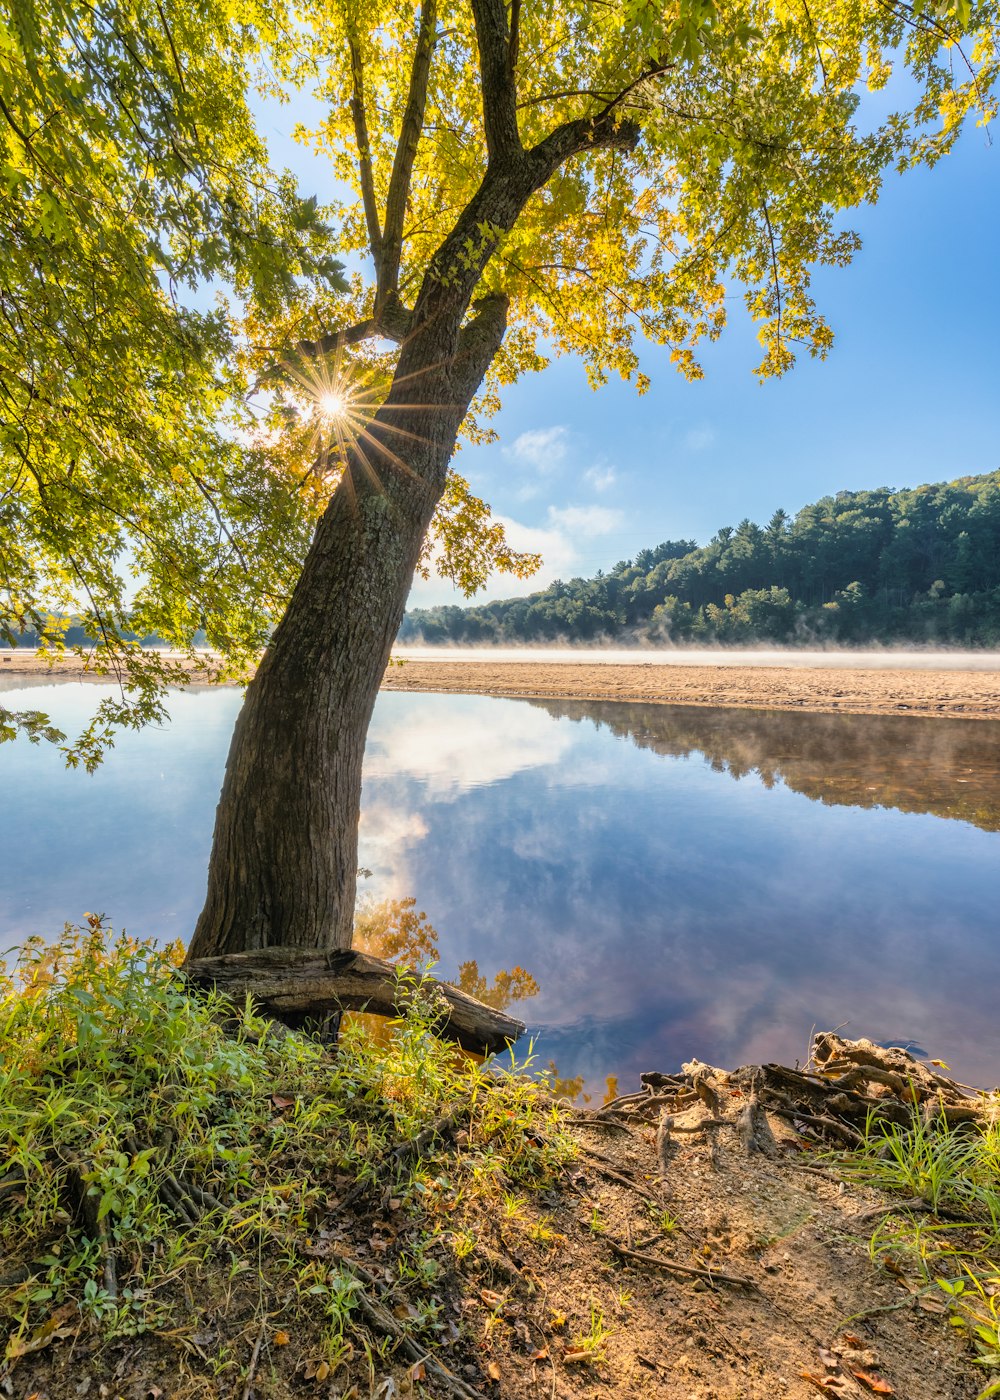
x: 916, y: 1204
x: 252, y: 1368
x: 379, y: 1316
x: 832, y: 1125
x: 592, y: 1121
x: 616, y: 1176
x: 651, y: 1261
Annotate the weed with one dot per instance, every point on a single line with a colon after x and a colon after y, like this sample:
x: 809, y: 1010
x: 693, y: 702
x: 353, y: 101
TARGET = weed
x: 596, y: 1224
x: 543, y: 1231
x: 662, y: 1219
x: 592, y: 1343
x: 955, y: 1171
x: 170, y: 1156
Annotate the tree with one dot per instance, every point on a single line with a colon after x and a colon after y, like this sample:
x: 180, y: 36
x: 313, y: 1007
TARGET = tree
x: 574, y: 172
x: 131, y: 174
x: 525, y: 177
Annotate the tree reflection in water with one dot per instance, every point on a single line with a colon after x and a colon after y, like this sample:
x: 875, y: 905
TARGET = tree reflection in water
x: 395, y: 930
x: 946, y: 768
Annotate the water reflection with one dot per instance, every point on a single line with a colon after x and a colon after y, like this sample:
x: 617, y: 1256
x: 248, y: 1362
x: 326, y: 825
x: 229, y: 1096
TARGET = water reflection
x: 676, y: 881
x: 950, y: 769
x: 667, y: 910
x: 395, y: 930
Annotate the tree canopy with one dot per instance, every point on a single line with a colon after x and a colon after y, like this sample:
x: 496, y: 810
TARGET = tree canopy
x: 133, y: 178
x: 575, y: 178
x: 711, y: 144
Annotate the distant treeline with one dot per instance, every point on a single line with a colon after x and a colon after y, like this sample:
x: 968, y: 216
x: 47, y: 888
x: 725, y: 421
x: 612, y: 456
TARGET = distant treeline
x: 919, y: 565
x: 74, y: 634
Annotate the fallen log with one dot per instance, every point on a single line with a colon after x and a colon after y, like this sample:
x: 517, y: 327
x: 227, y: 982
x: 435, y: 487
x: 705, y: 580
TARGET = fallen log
x: 295, y: 985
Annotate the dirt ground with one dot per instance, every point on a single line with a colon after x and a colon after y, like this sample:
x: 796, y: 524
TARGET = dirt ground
x: 948, y: 694
x: 726, y: 1276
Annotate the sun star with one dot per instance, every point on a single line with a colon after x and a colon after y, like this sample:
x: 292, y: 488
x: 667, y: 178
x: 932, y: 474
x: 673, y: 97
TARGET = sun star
x: 332, y: 404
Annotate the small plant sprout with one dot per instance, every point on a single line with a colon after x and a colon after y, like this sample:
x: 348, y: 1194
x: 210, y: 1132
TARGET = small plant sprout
x: 590, y: 1346
x: 596, y: 1224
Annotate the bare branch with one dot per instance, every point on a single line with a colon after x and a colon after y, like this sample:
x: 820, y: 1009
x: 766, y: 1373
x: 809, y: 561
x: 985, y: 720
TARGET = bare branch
x: 406, y: 150
x: 392, y: 323
x: 365, y: 168
x: 775, y: 270
x: 565, y: 92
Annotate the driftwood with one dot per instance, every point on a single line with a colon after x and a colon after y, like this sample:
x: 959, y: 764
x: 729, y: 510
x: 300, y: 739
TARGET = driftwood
x: 295, y: 985
x: 851, y: 1083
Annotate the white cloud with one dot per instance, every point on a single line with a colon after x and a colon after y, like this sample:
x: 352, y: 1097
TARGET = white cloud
x: 541, y: 449
x: 386, y: 838
x: 601, y: 476
x: 697, y: 439
x: 456, y: 755
x: 586, y: 521
x: 559, y: 543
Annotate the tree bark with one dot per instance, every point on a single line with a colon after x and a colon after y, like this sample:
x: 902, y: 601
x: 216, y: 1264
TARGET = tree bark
x: 283, y: 868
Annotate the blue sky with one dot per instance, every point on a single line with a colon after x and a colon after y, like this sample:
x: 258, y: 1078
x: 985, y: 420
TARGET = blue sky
x: 909, y: 393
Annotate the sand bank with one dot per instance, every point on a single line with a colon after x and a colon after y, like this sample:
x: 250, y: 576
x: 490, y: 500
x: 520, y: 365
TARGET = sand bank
x: 863, y: 691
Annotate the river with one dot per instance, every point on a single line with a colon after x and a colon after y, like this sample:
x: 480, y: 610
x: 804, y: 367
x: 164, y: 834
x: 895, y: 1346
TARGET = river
x: 679, y: 882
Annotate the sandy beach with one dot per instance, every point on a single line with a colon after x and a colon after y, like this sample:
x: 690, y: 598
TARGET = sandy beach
x: 865, y: 690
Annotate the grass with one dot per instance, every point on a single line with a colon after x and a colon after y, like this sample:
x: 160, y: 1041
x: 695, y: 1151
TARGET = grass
x: 590, y: 1346
x: 953, y: 1250
x: 173, y: 1164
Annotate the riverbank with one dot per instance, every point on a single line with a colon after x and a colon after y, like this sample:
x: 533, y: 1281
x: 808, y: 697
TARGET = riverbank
x: 196, y: 1204
x: 862, y: 690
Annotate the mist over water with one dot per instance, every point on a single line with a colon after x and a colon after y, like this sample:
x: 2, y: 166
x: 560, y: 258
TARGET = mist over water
x: 874, y: 658
x: 680, y: 882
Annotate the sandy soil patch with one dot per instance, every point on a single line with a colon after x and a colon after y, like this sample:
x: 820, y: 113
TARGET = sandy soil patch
x: 968, y: 694
x: 861, y: 690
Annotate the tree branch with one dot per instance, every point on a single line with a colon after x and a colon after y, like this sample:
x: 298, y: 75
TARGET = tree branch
x: 392, y: 323
x: 478, y: 342
x: 406, y: 150
x: 606, y: 131
x: 563, y: 93
x: 503, y: 140
x: 514, y: 43
x: 509, y: 183
x: 775, y: 272
x: 365, y: 168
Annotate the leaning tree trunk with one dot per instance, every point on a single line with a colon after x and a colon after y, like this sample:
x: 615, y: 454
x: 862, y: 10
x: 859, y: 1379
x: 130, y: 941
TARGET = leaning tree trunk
x: 284, y: 858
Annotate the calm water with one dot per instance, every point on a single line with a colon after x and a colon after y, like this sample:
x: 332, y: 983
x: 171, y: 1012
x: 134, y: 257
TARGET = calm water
x: 678, y: 881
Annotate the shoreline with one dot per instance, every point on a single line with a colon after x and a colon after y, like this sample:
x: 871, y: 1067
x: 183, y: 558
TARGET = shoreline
x: 864, y: 691
x: 876, y: 690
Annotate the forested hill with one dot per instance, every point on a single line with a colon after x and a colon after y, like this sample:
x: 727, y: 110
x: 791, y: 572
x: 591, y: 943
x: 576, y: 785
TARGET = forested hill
x: 920, y: 565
